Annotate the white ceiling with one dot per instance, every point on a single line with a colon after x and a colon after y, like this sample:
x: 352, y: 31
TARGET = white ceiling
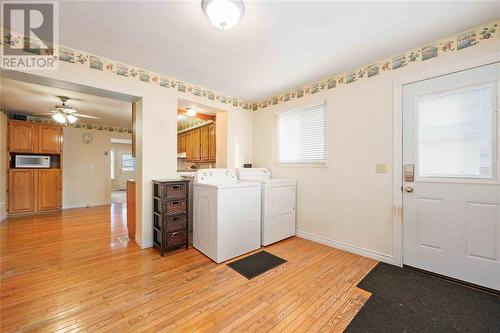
x: 277, y: 46
x: 32, y: 99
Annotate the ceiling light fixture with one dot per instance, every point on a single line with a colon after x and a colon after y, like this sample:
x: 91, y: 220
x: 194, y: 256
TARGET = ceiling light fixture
x: 224, y: 14
x: 59, y: 117
x: 190, y: 112
x: 71, y: 118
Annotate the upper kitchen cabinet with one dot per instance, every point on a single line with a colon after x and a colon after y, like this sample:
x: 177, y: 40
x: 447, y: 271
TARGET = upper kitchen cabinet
x: 189, y: 145
x: 195, y: 141
x: 198, y: 143
x: 23, y: 137
x: 181, y: 142
x: 49, y: 139
x: 27, y: 137
x: 204, y: 144
x: 211, y: 142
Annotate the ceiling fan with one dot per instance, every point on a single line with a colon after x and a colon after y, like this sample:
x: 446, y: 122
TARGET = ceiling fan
x: 63, y: 113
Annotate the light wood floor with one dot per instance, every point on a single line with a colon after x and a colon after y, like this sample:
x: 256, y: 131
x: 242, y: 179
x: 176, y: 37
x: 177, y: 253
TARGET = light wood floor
x: 68, y: 272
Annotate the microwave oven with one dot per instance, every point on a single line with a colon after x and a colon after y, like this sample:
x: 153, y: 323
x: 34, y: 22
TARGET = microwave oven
x: 32, y: 161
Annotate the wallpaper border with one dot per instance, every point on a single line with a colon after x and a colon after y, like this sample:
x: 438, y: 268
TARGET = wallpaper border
x: 470, y: 38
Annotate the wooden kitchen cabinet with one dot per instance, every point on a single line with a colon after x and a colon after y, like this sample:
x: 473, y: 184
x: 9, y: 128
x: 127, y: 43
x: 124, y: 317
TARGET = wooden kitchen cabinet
x: 21, y: 190
x: 195, y: 142
x: 199, y: 144
x: 27, y: 137
x: 189, y: 146
x: 34, y: 189
x: 23, y: 136
x: 181, y: 142
x: 49, y: 139
x: 211, y: 142
x: 48, y: 189
x: 204, y: 144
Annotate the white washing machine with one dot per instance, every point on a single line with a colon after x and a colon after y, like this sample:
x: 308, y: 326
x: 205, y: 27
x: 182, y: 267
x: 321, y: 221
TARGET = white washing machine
x: 278, y: 204
x: 226, y: 214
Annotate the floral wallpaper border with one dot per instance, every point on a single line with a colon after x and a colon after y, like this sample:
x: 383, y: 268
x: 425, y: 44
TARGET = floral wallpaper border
x: 82, y: 125
x: 470, y: 38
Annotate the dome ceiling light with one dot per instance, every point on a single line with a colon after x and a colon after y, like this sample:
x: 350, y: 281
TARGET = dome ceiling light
x: 224, y: 14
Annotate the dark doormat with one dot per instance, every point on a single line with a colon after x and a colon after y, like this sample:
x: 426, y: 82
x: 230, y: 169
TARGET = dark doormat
x: 404, y: 300
x: 256, y: 264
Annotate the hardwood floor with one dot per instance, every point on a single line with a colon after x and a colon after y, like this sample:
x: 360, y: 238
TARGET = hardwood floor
x: 69, y: 272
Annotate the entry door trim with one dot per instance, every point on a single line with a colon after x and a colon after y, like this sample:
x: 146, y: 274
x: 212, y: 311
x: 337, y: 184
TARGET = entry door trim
x: 397, y: 160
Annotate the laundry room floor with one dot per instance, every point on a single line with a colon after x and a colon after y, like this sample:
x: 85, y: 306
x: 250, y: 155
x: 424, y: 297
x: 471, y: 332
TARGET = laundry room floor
x: 69, y: 271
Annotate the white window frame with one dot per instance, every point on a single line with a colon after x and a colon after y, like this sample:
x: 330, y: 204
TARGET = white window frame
x: 112, y: 162
x: 322, y: 164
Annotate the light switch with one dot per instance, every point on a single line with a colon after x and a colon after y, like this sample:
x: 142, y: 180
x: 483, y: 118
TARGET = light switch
x: 381, y: 168
x: 91, y: 166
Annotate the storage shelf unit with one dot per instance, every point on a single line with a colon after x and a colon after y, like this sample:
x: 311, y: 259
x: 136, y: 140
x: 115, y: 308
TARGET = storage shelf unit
x: 170, y: 214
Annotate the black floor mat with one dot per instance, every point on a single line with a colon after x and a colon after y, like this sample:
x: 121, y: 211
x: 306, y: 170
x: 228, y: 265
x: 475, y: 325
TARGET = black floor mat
x: 404, y: 300
x: 256, y: 264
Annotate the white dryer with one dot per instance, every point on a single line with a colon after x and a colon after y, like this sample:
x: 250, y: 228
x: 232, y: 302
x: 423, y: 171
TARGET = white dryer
x: 278, y: 204
x: 226, y: 214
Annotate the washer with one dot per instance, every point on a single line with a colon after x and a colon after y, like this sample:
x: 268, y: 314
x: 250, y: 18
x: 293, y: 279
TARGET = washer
x: 226, y: 211
x: 278, y: 204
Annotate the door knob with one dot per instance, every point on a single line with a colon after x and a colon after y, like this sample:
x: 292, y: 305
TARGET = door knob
x: 409, y: 189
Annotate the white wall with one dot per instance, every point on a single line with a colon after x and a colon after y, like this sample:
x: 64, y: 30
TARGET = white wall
x: 156, y: 128
x: 347, y: 203
x: 3, y: 166
x: 86, y: 167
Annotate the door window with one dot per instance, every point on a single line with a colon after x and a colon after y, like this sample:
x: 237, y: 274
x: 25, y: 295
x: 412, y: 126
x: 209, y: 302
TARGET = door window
x: 128, y: 163
x: 456, y: 134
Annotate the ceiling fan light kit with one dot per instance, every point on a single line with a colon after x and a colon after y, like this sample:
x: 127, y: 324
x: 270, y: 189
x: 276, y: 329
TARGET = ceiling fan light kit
x: 64, y: 114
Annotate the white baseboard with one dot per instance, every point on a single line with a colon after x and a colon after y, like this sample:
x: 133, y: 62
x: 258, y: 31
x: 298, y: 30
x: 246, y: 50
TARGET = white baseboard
x: 87, y: 204
x: 346, y: 247
x: 146, y: 244
x: 3, y: 217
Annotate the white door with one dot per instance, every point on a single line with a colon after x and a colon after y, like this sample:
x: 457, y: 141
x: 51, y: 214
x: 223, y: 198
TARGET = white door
x: 126, y: 169
x: 451, y: 222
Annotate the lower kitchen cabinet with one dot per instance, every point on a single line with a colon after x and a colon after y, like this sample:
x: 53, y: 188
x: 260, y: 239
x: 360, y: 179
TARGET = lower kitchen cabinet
x: 21, y: 190
x: 32, y: 190
x: 48, y: 189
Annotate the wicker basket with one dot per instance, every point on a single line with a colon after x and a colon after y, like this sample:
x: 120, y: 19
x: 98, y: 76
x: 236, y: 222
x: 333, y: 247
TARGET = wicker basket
x: 174, y: 207
x: 177, y: 238
x: 173, y: 191
x: 176, y: 222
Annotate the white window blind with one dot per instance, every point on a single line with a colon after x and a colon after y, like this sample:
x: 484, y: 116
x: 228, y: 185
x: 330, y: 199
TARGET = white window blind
x: 302, y: 135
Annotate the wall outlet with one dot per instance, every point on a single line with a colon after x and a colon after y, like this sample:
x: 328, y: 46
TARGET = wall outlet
x: 381, y: 168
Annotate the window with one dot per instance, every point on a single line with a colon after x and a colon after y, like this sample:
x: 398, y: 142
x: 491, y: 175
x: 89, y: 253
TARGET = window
x: 128, y: 163
x: 112, y: 158
x: 456, y: 134
x: 302, y: 136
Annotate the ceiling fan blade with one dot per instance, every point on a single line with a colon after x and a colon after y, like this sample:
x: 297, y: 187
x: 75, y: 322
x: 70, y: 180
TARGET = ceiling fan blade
x: 46, y: 113
x: 85, y: 116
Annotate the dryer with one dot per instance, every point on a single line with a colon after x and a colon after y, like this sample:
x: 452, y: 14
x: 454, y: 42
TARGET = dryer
x: 226, y: 214
x: 278, y: 204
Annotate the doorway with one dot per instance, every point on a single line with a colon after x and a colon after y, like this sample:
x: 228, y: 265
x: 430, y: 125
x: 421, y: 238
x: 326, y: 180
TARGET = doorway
x: 451, y: 185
